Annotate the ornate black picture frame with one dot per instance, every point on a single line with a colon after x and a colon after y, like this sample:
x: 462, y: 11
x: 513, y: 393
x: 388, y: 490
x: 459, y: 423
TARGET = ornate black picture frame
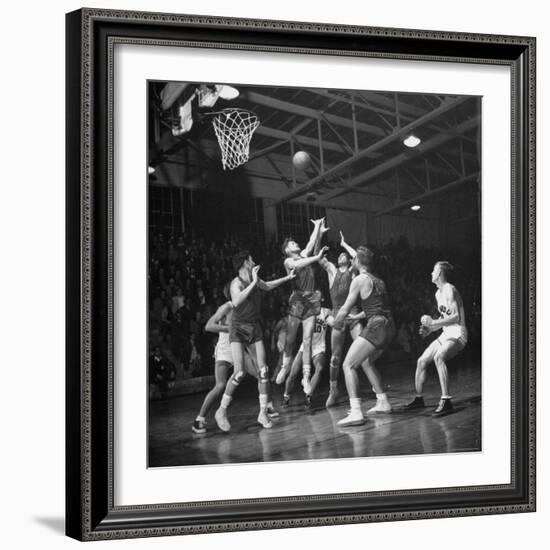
x: 90, y: 510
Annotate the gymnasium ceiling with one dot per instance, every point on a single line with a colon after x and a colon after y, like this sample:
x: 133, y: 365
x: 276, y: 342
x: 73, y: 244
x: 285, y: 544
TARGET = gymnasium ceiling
x: 354, y: 138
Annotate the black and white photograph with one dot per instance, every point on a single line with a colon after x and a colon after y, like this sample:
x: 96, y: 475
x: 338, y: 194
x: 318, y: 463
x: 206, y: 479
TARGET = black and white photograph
x: 314, y: 273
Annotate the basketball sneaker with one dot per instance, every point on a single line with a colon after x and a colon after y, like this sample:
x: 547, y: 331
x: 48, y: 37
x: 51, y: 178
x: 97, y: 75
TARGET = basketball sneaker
x: 308, y: 401
x: 221, y: 420
x: 354, y: 418
x: 264, y: 420
x: 444, y: 407
x: 286, y: 401
x: 382, y: 406
x: 416, y: 403
x: 199, y: 427
x: 272, y: 412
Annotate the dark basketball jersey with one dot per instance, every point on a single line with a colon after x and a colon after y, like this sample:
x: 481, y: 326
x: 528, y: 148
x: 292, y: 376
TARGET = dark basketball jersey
x: 377, y: 302
x: 249, y: 310
x: 340, y: 288
x: 304, y: 280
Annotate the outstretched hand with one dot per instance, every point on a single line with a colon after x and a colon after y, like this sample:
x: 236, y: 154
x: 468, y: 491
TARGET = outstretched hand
x: 292, y: 273
x: 324, y: 228
x: 255, y: 270
x: 322, y: 252
x: 317, y: 222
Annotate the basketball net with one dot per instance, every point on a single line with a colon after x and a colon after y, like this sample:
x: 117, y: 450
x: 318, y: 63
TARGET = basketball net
x: 234, y: 129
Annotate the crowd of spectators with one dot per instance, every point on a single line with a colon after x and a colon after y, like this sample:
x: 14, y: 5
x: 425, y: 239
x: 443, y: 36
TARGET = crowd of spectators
x: 187, y: 276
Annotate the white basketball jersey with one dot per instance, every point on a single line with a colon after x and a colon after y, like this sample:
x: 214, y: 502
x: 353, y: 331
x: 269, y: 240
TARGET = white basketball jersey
x: 457, y: 330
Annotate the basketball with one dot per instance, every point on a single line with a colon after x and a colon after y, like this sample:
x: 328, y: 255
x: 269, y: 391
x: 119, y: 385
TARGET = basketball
x: 426, y: 320
x: 301, y: 160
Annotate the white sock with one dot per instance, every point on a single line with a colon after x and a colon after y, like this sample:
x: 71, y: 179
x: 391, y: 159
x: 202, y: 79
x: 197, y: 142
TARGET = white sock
x: 333, y: 385
x: 226, y: 399
x: 382, y: 396
x: 307, y: 371
x: 263, y: 401
x: 445, y: 397
x: 286, y: 362
x: 355, y: 404
x: 270, y: 404
x: 200, y: 418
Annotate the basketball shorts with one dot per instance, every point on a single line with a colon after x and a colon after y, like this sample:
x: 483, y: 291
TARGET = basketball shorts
x: 245, y: 333
x: 379, y: 331
x: 222, y: 352
x: 304, y: 304
x: 456, y: 333
x: 317, y: 347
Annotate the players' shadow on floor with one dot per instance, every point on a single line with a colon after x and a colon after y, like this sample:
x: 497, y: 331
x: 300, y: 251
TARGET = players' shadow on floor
x: 54, y: 524
x: 428, y: 412
x: 429, y: 409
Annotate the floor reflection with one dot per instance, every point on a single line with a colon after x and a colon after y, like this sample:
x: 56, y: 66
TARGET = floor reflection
x: 301, y: 434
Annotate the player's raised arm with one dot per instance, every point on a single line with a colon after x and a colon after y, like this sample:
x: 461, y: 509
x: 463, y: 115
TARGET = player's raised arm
x: 351, y: 251
x: 213, y: 324
x: 270, y: 285
x: 312, y: 238
x: 293, y: 263
x: 327, y: 265
x: 238, y: 292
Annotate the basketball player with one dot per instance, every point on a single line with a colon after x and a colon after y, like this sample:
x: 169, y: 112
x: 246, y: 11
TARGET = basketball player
x: 374, y: 338
x: 219, y: 323
x: 245, y: 332
x: 452, y: 340
x: 318, y: 351
x: 304, y: 302
x: 339, y: 282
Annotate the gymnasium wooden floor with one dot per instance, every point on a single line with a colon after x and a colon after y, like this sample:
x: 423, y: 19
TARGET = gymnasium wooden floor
x: 312, y: 434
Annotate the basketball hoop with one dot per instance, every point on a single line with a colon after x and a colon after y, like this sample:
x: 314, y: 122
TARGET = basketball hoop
x: 234, y: 129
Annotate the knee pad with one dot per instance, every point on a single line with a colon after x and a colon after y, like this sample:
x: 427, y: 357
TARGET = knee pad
x: 238, y: 377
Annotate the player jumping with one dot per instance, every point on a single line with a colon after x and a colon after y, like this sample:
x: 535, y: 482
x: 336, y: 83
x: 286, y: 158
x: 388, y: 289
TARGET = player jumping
x: 304, y: 302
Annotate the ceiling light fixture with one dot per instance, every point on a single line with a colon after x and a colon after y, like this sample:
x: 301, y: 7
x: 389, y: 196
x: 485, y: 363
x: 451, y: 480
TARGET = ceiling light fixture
x: 412, y: 140
x: 415, y: 207
x: 228, y: 92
